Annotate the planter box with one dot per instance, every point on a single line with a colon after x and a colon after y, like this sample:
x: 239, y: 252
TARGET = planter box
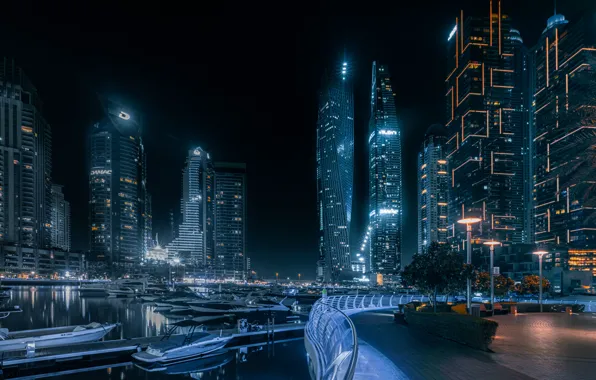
x: 472, y: 331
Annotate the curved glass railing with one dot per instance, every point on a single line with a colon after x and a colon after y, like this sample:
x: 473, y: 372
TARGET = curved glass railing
x: 330, y: 336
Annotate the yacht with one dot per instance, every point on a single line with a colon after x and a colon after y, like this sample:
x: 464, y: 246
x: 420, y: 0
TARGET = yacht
x: 192, y: 367
x: 173, y: 349
x: 265, y: 304
x: 121, y: 291
x: 218, y: 307
x: 93, y: 290
x: 54, y: 336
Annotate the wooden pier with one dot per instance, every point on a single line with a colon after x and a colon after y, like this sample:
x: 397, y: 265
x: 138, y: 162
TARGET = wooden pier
x: 56, y: 361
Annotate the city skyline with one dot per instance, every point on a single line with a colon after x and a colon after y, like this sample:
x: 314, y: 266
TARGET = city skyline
x: 169, y: 150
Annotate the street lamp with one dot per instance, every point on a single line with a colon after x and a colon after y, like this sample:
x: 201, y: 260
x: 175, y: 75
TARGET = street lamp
x: 540, y: 254
x: 299, y: 276
x: 468, y: 222
x: 276, y: 276
x: 491, y: 244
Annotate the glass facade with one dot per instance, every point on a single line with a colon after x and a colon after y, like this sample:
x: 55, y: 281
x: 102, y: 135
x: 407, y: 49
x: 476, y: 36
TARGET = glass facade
x: 195, y: 242
x: 25, y: 162
x: 230, y: 220
x: 564, y: 93
x: 335, y: 173
x: 433, y: 188
x: 117, y: 187
x: 60, y: 220
x: 486, y: 112
x: 385, y: 176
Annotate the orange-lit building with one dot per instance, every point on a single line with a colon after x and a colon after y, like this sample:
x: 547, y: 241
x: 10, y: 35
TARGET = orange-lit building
x: 564, y: 138
x: 487, y: 121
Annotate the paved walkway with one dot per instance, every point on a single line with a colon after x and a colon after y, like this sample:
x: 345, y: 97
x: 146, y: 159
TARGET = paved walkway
x: 547, y: 345
x: 532, y: 346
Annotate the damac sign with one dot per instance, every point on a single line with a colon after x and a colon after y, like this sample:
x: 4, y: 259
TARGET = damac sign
x: 101, y: 171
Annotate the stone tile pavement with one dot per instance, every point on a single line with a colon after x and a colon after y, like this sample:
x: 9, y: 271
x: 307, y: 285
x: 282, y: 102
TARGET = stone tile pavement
x: 532, y: 346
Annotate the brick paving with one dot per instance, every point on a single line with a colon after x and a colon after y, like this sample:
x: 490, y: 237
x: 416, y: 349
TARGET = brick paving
x: 530, y: 346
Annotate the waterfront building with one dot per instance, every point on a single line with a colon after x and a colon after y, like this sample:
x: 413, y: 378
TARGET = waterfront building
x: 486, y: 116
x: 60, y: 220
x: 385, y: 176
x: 117, y: 187
x: 15, y: 260
x: 25, y: 162
x: 230, y: 221
x: 194, y: 244
x: 564, y: 93
x: 335, y: 172
x: 433, y: 188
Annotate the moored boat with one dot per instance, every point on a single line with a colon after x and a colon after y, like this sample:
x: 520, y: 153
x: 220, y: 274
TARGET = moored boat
x: 53, y: 336
x: 179, y: 348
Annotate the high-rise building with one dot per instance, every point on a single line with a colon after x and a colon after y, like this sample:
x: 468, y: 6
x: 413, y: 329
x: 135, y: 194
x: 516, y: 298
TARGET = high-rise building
x: 230, y: 220
x: 564, y: 135
x: 433, y: 188
x: 486, y: 118
x: 335, y: 173
x: 60, y: 220
x: 146, y: 211
x: 194, y: 244
x: 25, y: 162
x: 117, y: 186
x: 385, y: 176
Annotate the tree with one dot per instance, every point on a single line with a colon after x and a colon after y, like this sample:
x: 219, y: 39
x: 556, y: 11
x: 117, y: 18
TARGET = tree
x: 531, y: 285
x: 503, y: 285
x: 439, y: 269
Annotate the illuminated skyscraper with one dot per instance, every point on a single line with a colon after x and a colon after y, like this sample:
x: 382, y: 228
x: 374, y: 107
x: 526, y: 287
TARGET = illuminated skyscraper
x: 117, y: 187
x: 486, y: 120
x: 60, y: 220
x: 195, y: 241
x: 335, y: 173
x: 433, y: 188
x: 25, y: 162
x: 564, y: 135
x: 385, y: 176
x: 230, y: 220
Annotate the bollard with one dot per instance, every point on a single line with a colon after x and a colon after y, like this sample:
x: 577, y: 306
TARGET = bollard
x: 514, y: 309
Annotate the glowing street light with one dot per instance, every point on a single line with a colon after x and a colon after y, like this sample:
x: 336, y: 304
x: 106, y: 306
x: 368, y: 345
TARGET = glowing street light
x: 491, y: 244
x: 540, y: 254
x: 468, y: 222
x: 299, y: 276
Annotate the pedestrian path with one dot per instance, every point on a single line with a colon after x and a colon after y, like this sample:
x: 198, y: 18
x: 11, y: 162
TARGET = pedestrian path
x: 423, y: 356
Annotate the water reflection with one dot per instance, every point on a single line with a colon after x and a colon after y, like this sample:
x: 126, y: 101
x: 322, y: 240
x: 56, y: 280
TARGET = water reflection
x: 62, y: 306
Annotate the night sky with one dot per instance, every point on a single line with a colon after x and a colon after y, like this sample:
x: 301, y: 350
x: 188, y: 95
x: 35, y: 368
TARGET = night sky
x: 240, y: 79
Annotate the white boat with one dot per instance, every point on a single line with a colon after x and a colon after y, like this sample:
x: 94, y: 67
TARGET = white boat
x: 121, y: 292
x: 219, y: 307
x: 264, y: 304
x: 93, y: 290
x: 178, y: 348
x: 54, y: 336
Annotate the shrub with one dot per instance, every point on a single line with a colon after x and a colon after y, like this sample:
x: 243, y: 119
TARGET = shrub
x: 466, y: 329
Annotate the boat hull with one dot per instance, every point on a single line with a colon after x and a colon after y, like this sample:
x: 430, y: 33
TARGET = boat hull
x: 55, y: 340
x: 186, y: 353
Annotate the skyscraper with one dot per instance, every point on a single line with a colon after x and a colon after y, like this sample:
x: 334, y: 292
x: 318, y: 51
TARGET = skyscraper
x: 60, y: 220
x: 564, y: 135
x: 230, y: 220
x: 486, y: 117
x: 195, y: 240
x: 25, y: 162
x: 117, y: 186
x: 385, y: 176
x: 335, y: 173
x: 433, y: 188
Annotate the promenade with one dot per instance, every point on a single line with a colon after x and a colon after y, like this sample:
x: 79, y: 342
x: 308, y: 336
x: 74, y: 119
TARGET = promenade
x: 531, y: 346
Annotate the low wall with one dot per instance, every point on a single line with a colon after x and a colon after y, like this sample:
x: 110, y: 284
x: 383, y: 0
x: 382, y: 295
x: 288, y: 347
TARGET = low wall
x: 472, y: 331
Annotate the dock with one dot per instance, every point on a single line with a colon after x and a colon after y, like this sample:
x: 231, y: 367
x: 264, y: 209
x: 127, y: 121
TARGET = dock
x: 56, y: 361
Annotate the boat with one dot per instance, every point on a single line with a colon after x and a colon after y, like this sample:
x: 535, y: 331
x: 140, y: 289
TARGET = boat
x: 174, y: 349
x: 191, y: 367
x: 93, y: 290
x: 53, y: 336
x: 121, y: 292
x: 218, y: 307
x: 264, y: 305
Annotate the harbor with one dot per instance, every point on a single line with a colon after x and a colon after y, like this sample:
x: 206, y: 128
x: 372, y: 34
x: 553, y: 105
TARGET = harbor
x: 256, y: 344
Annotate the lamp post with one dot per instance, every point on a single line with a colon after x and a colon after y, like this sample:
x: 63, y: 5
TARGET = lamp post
x: 491, y: 244
x: 468, y: 222
x: 276, y: 277
x: 540, y: 254
x: 299, y: 276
